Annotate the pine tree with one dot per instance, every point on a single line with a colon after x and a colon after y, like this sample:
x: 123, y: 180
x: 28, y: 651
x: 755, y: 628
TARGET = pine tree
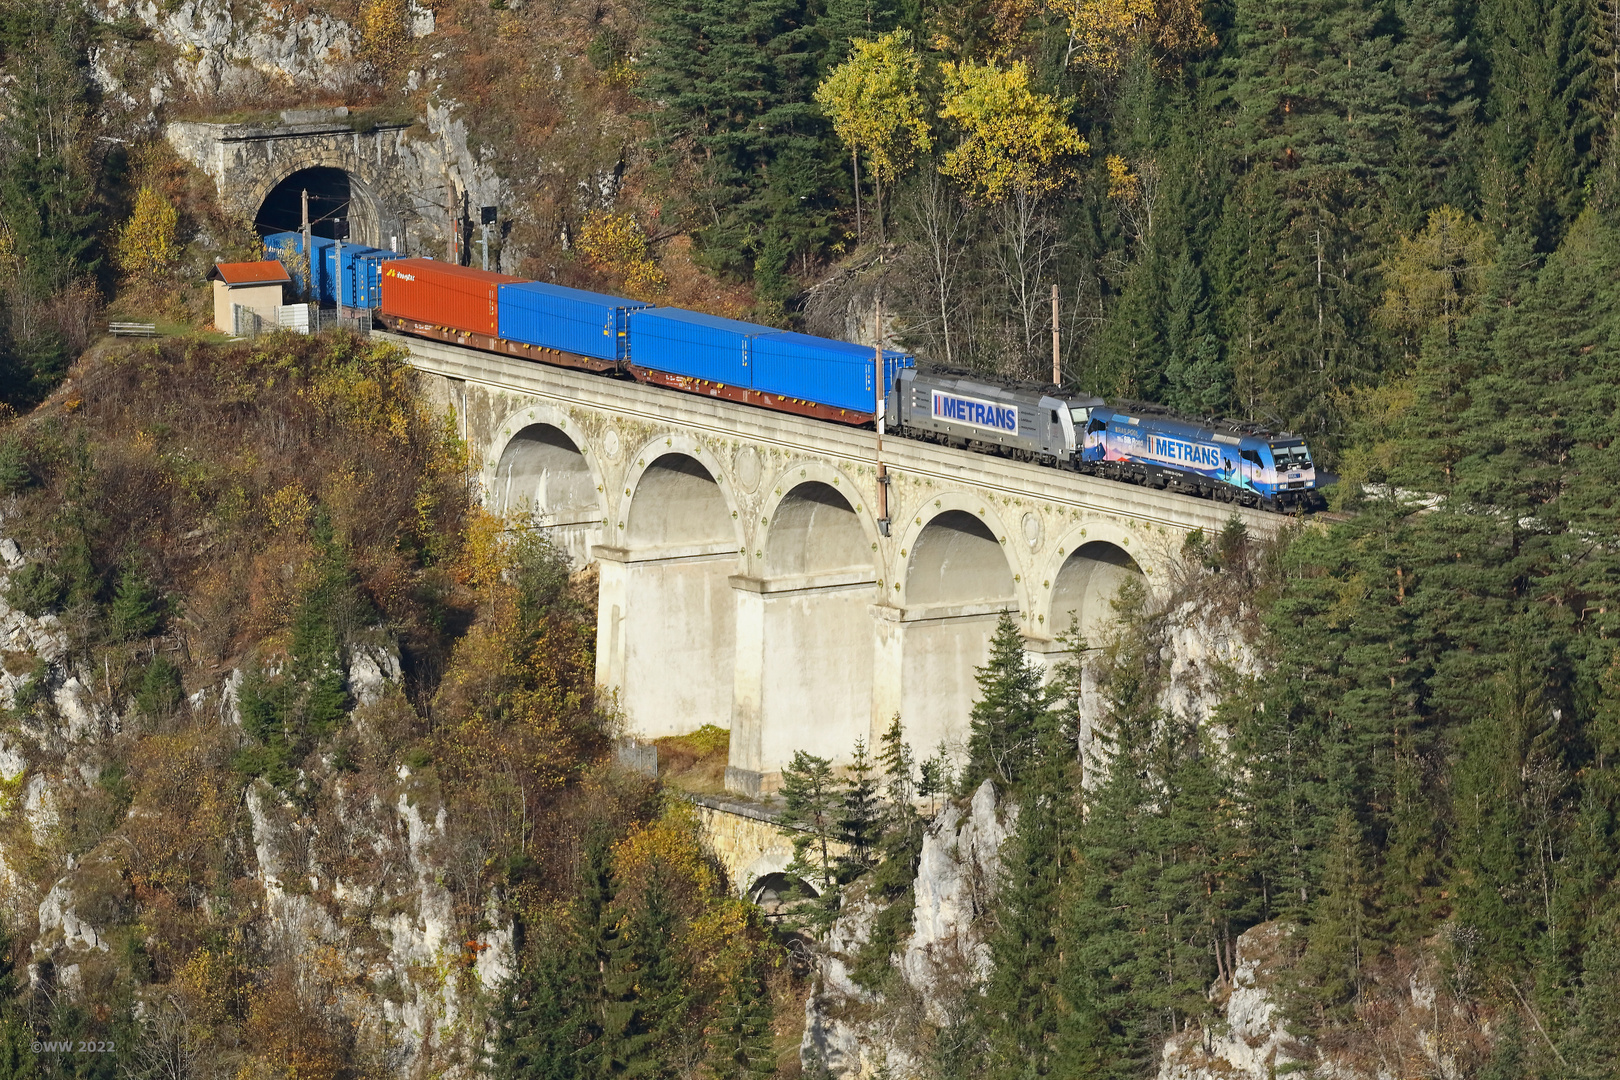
x: 1588, y: 1043
x: 894, y: 758
x: 1432, y: 66
x: 14, y: 471
x: 1005, y: 719
x: 859, y: 822
x: 740, y: 1037
x: 546, y: 1021
x: 811, y: 806
x: 732, y: 81
x: 1338, y: 933
x: 1540, y: 111
x: 1197, y: 380
x: 642, y: 994
x: 843, y: 21
x: 934, y: 777
x: 1039, y: 858
x: 137, y: 607
x: 1509, y: 790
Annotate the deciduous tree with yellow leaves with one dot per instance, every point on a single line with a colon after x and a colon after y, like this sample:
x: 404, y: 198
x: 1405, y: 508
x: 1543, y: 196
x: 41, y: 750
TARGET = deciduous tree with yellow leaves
x: 1016, y: 149
x: 147, y: 242
x: 615, y: 243
x: 1434, y: 279
x: 876, y: 108
x: 1103, y: 32
x: 1012, y: 138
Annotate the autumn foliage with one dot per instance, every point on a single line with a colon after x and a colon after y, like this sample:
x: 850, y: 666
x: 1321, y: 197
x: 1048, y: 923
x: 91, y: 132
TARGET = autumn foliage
x: 147, y: 242
x: 226, y: 533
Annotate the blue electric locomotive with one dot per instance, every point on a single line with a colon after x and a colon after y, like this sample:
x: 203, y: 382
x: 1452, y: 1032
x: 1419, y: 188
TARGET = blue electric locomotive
x: 1147, y: 445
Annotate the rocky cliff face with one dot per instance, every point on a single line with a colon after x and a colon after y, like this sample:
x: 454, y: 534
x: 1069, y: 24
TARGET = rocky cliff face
x: 1198, y: 643
x: 352, y: 887
x: 853, y: 1031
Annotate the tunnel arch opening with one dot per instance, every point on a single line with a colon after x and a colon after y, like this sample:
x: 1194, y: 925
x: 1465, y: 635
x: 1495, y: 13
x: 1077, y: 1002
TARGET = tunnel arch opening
x: 815, y: 531
x: 678, y: 504
x: 777, y: 891
x: 1087, y: 582
x: 542, y: 473
x: 958, y: 561
x: 334, y: 195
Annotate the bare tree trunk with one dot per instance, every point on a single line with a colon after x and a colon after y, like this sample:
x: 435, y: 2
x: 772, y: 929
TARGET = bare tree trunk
x: 855, y: 168
x: 940, y: 222
x: 1027, y: 249
x: 877, y: 196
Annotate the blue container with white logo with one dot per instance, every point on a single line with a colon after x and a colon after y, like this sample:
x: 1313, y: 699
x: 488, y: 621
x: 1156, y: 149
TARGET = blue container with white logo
x: 568, y: 320
x: 828, y: 372
x: 696, y: 345
x: 288, y: 248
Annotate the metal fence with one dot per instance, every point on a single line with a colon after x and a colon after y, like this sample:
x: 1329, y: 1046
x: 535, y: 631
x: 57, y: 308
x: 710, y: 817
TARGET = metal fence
x: 300, y: 319
x: 344, y: 318
x: 247, y: 323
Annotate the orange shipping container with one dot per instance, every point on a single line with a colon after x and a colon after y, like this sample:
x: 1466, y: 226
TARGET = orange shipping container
x: 442, y: 294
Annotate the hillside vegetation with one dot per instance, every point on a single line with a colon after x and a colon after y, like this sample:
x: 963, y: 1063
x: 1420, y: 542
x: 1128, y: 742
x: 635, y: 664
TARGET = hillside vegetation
x: 234, y: 547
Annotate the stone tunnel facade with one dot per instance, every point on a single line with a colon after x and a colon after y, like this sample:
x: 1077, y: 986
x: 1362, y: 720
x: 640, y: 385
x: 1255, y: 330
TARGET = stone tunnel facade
x: 745, y: 581
x: 398, y: 182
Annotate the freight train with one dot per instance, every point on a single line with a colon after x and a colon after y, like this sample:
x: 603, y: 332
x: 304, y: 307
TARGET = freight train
x: 813, y: 376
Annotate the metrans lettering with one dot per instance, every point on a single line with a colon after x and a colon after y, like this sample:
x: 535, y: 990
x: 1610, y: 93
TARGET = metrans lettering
x: 966, y: 410
x: 1183, y: 453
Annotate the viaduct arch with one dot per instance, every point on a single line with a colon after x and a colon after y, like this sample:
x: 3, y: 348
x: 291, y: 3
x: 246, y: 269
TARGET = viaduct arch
x: 745, y: 581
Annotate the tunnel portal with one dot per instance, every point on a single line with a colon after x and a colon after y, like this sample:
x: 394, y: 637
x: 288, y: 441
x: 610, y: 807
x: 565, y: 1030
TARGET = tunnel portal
x: 330, y: 200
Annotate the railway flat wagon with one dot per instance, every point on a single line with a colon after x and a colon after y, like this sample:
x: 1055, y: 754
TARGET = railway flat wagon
x: 570, y: 321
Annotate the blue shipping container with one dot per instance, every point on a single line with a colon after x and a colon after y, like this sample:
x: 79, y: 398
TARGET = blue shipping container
x: 690, y: 343
x: 360, y: 275
x: 568, y: 320
x: 828, y: 372
x: 367, y: 288
x: 287, y: 247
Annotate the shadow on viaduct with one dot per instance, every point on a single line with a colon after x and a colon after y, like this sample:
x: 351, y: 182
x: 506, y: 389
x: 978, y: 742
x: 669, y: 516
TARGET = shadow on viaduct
x: 744, y: 580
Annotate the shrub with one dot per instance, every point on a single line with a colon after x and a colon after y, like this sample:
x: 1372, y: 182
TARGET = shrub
x: 35, y: 589
x: 160, y: 690
x: 14, y: 472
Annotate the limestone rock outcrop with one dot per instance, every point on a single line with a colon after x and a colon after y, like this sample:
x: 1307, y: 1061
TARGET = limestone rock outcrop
x: 351, y: 884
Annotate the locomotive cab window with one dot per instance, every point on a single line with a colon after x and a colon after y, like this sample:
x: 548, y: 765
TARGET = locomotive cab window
x: 1097, y: 425
x: 1080, y: 416
x: 1292, y: 457
x: 1250, y: 456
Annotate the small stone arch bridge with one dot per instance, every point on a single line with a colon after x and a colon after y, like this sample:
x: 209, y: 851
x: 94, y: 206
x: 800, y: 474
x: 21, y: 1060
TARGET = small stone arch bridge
x: 744, y: 580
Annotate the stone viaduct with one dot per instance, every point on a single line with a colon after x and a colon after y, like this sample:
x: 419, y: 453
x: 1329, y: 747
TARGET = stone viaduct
x: 744, y: 578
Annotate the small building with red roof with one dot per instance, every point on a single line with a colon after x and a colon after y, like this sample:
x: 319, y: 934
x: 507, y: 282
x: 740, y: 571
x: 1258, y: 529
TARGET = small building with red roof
x: 253, y: 285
